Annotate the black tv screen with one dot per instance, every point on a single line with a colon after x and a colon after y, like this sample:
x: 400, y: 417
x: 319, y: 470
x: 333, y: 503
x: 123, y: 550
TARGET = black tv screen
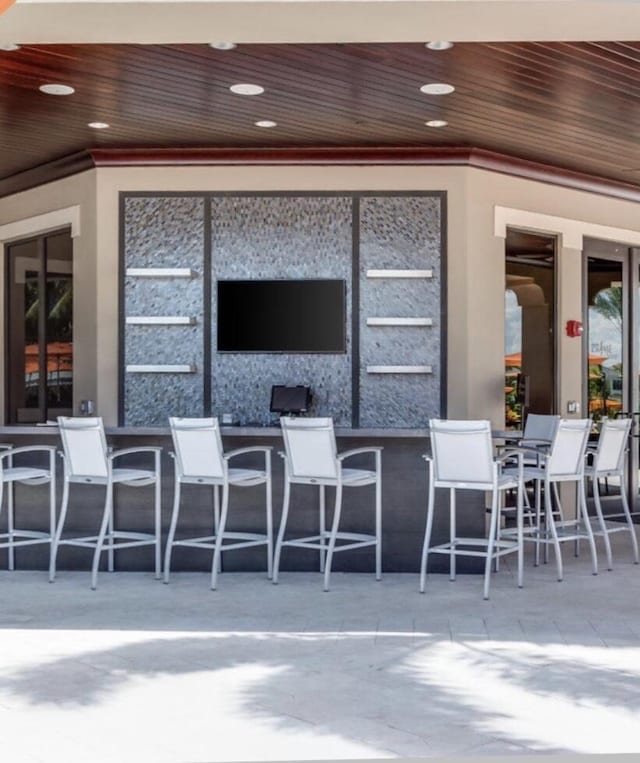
x: 281, y: 316
x: 287, y: 399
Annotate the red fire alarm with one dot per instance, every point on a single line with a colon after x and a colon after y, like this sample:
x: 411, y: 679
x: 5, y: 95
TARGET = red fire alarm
x: 574, y: 328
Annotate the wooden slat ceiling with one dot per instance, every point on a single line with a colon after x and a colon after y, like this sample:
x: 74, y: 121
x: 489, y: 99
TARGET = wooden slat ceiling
x: 573, y: 105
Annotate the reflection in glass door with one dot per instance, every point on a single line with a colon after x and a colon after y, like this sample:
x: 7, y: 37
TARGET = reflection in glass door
x: 605, y: 336
x: 529, y: 353
x: 606, y: 343
x: 40, y: 328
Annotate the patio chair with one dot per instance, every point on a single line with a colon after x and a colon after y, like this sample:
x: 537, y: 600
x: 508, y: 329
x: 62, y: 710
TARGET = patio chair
x: 88, y: 461
x: 199, y: 459
x: 538, y: 434
x: 26, y: 474
x: 311, y: 458
x: 462, y: 458
x: 608, y: 460
x: 539, y: 430
x: 564, y: 462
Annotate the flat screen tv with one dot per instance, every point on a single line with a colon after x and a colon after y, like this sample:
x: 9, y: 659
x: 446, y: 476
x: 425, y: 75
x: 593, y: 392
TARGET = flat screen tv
x: 281, y: 316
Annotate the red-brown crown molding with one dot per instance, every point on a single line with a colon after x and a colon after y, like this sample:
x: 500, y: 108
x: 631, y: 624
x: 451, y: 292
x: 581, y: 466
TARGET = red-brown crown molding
x: 261, y: 157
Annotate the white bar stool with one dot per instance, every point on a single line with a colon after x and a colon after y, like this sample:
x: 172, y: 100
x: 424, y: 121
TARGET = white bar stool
x: 88, y: 461
x: 462, y: 458
x: 564, y: 462
x: 609, y: 461
x: 25, y: 475
x: 311, y: 458
x: 199, y: 459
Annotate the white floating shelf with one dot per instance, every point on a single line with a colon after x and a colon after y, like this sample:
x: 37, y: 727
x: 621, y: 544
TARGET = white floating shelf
x: 399, y: 322
x: 160, y: 272
x: 160, y: 369
x: 160, y: 320
x: 399, y: 369
x: 399, y: 273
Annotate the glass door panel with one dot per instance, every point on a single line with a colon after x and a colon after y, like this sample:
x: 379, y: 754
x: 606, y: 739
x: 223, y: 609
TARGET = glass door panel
x: 40, y: 329
x: 606, y: 365
x: 59, y: 326
x: 606, y: 361
x: 25, y: 348
x: 530, y: 288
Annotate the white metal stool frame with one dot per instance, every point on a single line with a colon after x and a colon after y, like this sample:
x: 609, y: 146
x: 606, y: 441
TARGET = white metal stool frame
x: 26, y: 475
x: 564, y: 462
x: 453, y: 467
x: 317, y: 462
x: 88, y: 461
x: 199, y: 459
x: 538, y: 434
x: 609, y: 461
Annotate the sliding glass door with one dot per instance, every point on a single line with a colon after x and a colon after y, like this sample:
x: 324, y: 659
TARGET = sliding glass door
x: 610, y: 361
x: 529, y: 353
x: 39, y: 298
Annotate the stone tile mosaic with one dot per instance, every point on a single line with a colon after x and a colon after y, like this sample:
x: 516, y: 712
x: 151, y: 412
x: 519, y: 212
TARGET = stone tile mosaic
x: 399, y: 233
x: 151, y: 398
x: 267, y: 237
x: 164, y: 232
x: 260, y: 237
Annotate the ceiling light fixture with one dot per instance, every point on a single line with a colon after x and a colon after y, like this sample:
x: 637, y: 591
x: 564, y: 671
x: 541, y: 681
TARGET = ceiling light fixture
x: 246, y: 89
x: 438, y: 45
x: 98, y: 125
x: 223, y: 45
x: 436, y: 123
x: 437, y: 88
x: 57, y: 89
x: 9, y: 46
x: 266, y: 123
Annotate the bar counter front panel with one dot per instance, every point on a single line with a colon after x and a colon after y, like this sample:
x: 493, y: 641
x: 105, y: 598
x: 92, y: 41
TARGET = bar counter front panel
x: 404, y: 502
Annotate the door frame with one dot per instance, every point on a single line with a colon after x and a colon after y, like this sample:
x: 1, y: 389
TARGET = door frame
x: 630, y: 261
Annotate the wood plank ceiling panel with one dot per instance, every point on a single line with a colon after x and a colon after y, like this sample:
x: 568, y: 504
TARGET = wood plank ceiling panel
x: 573, y: 105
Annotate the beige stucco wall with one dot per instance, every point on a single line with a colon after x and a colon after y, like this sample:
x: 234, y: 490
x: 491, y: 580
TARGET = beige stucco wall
x: 79, y: 190
x: 475, y: 260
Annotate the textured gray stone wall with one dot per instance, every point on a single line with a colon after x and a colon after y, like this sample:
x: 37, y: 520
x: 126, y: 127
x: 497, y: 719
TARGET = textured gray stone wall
x: 163, y: 232
x: 399, y: 233
x: 272, y: 237
x: 291, y: 237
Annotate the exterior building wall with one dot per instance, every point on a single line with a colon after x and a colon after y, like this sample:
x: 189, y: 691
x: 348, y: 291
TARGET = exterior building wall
x: 475, y: 281
x: 78, y: 190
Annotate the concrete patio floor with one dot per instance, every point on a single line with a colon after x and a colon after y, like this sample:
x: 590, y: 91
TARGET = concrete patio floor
x: 140, y: 671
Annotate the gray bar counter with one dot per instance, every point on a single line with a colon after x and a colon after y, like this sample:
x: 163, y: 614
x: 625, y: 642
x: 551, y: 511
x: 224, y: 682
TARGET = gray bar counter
x: 404, y: 502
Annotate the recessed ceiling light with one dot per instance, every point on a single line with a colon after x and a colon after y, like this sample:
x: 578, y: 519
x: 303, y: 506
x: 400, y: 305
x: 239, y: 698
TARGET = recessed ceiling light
x: 436, y: 123
x: 9, y: 46
x: 57, y: 89
x: 437, y: 88
x: 245, y: 89
x: 438, y: 45
x: 98, y: 125
x: 223, y: 45
x: 266, y: 123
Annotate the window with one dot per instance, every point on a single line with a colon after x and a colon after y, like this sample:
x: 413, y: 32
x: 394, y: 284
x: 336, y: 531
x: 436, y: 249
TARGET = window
x: 39, y: 337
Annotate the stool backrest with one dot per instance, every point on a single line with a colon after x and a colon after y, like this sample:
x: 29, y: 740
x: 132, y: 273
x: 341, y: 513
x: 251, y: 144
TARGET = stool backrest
x: 84, y: 446
x: 540, y: 426
x: 462, y: 452
x: 566, y: 456
x: 612, y: 443
x: 198, y: 447
x: 310, y: 447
